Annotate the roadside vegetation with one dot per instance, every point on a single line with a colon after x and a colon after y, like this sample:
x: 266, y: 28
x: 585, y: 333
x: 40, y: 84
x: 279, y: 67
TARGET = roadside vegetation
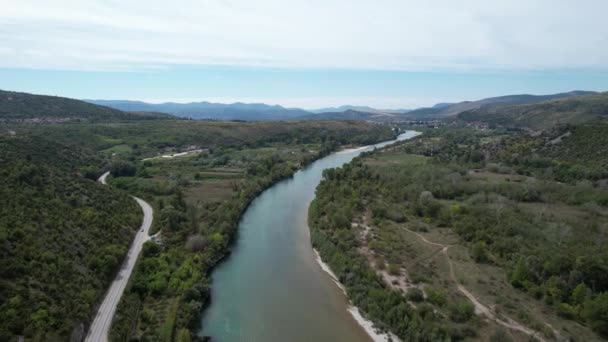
x: 63, y: 236
x: 462, y: 233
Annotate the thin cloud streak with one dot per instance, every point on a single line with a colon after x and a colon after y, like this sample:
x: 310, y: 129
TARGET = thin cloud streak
x: 385, y: 35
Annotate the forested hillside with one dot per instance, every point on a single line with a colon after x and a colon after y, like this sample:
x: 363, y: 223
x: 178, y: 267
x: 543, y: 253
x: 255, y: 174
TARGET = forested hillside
x: 138, y: 140
x: 544, y: 115
x: 23, y: 107
x: 62, y: 236
x: 517, y: 222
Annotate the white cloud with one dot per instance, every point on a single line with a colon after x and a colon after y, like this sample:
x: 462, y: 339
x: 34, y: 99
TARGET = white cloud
x: 383, y: 34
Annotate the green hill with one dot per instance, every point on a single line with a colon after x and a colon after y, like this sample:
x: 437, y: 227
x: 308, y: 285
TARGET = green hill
x: 62, y: 236
x: 15, y: 107
x: 542, y: 115
x: 451, y: 109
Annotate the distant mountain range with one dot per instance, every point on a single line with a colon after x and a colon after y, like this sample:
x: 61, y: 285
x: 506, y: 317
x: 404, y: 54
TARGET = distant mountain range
x: 535, y: 112
x: 264, y: 112
x: 358, y: 108
x: 208, y: 110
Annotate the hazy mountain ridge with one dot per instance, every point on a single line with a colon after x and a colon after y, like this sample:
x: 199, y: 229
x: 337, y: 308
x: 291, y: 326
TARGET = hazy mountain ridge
x: 209, y: 110
x: 358, y: 108
x: 265, y: 112
x: 16, y: 106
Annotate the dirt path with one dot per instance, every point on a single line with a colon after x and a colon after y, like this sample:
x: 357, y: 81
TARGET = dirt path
x: 480, y: 309
x: 173, y: 155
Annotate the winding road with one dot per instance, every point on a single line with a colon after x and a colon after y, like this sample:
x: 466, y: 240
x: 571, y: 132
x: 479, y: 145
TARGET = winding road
x: 98, y: 332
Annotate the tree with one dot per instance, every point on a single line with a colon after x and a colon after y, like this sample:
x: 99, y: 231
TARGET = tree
x: 122, y: 168
x: 595, y: 312
x: 579, y: 294
x: 196, y: 243
x: 520, y: 274
x: 480, y: 253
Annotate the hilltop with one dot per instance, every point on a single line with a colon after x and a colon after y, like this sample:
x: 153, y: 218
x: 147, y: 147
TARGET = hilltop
x: 15, y: 107
x: 570, y: 110
x: 442, y: 110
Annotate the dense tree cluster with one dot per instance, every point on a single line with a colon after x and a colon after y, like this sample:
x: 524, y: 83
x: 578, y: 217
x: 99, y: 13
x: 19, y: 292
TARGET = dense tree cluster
x: 62, y: 236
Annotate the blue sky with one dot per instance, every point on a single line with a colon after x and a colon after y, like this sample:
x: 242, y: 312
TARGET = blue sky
x: 310, y: 54
x: 308, y: 88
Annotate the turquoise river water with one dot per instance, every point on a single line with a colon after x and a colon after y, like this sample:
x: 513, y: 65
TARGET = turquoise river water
x: 271, y: 287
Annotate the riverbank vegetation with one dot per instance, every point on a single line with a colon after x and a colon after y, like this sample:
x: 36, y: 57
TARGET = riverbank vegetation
x: 462, y: 233
x: 198, y: 199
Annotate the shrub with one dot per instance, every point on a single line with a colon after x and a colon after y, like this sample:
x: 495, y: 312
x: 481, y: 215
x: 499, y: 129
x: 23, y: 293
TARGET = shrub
x: 500, y: 335
x: 415, y: 294
x: 595, y: 312
x: 461, y: 311
x: 434, y: 296
x: 196, y: 243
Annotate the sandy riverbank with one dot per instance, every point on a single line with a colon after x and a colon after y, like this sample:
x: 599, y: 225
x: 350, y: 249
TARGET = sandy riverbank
x: 366, y: 324
x: 354, y: 149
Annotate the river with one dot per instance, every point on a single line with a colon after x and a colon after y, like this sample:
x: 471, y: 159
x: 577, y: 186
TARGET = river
x: 271, y: 288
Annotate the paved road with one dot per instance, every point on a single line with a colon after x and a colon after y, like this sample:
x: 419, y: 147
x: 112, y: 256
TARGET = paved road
x: 98, y: 332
